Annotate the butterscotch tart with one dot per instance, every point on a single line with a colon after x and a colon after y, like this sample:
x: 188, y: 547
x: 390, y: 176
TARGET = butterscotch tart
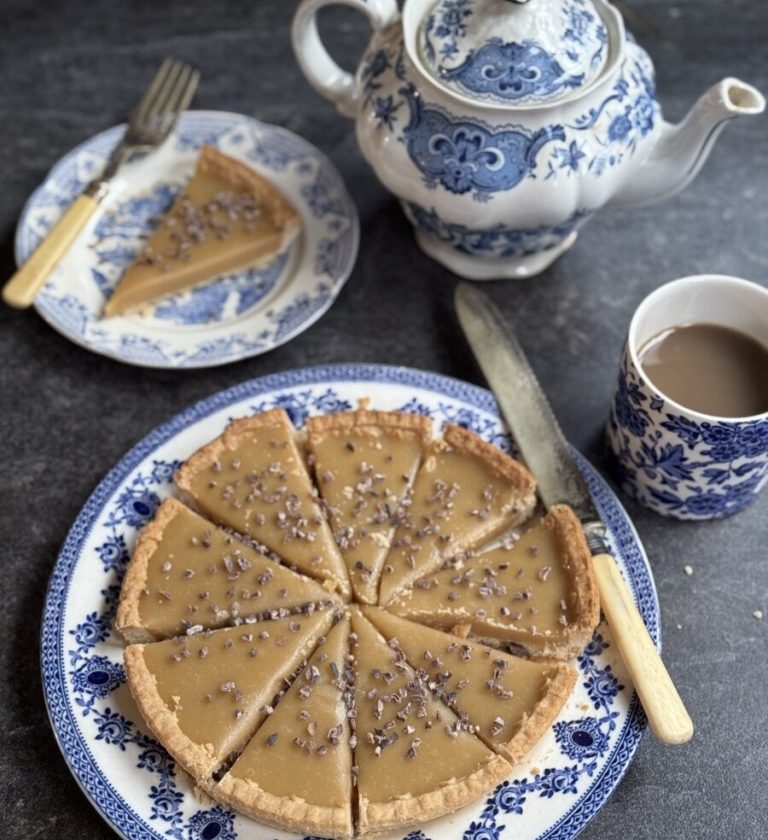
x: 538, y: 591
x: 365, y: 463
x: 510, y: 702
x: 296, y: 772
x: 336, y: 719
x: 226, y: 219
x: 466, y: 491
x: 416, y: 760
x: 187, y: 573
x: 253, y: 479
x: 204, y: 695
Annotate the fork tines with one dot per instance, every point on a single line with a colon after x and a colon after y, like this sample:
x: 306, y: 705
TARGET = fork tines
x: 168, y: 95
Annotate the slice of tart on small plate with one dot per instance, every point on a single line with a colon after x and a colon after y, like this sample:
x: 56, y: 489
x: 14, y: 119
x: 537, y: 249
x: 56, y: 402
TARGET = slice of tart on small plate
x: 466, y: 491
x: 226, y: 219
x: 415, y: 759
x: 296, y: 772
x: 253, y: 478
x: 538, y: 591
x: 204, y: 695
x: 510, y: 702
x: 287, y: 277
x: 364, y: 463
x: 186, y: 572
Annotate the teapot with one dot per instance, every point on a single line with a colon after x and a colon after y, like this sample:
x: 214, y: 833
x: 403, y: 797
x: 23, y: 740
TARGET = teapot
x: 503, y: 125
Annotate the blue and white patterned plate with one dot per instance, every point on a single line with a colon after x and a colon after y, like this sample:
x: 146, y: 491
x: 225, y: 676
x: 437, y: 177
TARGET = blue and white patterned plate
x: 132, y: 781
x: 240, y: 315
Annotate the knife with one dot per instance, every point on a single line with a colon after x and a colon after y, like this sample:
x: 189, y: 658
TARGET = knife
x: 548, y: 455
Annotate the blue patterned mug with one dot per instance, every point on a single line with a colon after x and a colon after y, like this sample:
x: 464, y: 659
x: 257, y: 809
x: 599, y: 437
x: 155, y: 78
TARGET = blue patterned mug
x: 676, y: 461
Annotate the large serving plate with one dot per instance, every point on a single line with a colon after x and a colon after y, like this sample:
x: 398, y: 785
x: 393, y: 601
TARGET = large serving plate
x: 240, y: 315
x: 133, y: 782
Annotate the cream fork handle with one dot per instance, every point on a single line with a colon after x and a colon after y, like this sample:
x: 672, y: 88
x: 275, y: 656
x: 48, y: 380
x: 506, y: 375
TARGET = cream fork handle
x: 21, y: 289
x: 663, y: 706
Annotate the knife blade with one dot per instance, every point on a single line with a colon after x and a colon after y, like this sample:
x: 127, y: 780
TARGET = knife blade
x: 527, y: 411
x: 545, y: 450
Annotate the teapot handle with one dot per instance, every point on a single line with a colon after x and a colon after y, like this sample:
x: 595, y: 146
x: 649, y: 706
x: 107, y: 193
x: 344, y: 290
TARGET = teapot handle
x: 325, y: 76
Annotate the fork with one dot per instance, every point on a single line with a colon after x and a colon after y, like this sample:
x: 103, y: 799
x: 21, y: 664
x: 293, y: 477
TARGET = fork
x: 168, y: 95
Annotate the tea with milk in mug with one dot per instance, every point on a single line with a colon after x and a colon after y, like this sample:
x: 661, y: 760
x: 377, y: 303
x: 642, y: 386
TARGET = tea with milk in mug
x: 709, y: 368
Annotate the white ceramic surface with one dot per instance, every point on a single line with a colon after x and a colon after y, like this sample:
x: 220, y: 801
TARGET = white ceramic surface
x: 495, y: 184
x: 674, y: 460
x: 513, y: 52
x: 132, y: 781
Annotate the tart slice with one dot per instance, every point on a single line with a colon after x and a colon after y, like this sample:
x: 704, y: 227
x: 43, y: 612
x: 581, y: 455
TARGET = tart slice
x: 466, y: 492
x: 186, y: 572
x: 252, y: 478
x: 415, y: 759
x: 365, y: 462
x: 510, y: 702
x: 296, y: 772
x: 204, y: 695
x: 538, y: 592
x: 227, y: 218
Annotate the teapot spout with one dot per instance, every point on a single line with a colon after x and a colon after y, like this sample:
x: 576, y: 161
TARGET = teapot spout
x: 681, y: 149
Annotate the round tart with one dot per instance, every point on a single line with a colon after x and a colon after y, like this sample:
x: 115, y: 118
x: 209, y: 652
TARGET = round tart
x: 329, y: 718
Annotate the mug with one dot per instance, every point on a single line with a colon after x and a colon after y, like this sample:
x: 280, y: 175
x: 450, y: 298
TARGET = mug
x: 676, y: 461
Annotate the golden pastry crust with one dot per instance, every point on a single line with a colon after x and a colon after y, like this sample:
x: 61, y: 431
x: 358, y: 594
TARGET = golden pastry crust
x: 128, y: 621
x: 461, y: 439
x: 228, y: 440
x: 361, y: 419
x: 562, y: 520
x: 571, y: 641
x: 586, y: 596
x: 288, y: 814
x: 558, y: 689
x: 379, y: 817
x: 282, y: 214
x: 199, y: 760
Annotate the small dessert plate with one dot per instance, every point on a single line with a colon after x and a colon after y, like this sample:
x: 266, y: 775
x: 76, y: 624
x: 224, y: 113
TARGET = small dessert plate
x: 134, y: 783
x: 240, y: 315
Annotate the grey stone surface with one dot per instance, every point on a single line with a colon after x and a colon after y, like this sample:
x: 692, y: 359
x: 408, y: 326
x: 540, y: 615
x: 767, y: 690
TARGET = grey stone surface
x: 70, y: 69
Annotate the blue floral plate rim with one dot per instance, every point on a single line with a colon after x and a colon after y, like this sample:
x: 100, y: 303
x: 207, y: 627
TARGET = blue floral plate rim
x: 77, y: 753
x: 188, y: 332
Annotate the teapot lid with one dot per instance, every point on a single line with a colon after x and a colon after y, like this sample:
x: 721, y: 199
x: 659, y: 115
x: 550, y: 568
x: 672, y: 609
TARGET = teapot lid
x: 513, y: 52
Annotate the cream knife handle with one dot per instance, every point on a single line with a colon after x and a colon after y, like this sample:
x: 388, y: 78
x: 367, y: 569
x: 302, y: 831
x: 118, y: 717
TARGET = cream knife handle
x: 666, y: 713
x: 21, y: 289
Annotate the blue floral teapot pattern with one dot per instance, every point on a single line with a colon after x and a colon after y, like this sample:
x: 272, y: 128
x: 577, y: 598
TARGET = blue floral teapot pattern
x: 486, y: 49
x: 502, y: 126
x: 464, y: 156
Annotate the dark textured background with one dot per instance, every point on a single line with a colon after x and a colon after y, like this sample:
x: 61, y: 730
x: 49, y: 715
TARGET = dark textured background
x: 70, y: 69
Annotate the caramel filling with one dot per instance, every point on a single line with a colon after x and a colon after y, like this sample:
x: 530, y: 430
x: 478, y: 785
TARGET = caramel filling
x: 457, y: 501
x: 408, y: 744
x: 363, y: 475
x: 302, y: 750
x: 198, y: 575
x: 497, y: 692
x: 259, y: 486
x: 221, y: 684
x: 219, y: 224
x: 514, y: 593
